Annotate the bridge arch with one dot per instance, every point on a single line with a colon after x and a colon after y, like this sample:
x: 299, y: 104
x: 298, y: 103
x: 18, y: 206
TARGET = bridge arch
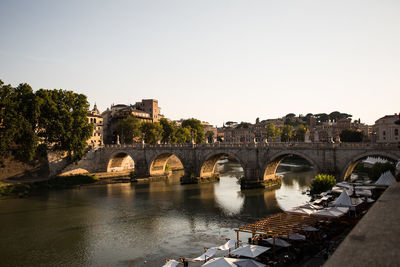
x: 207, y: 167
x: 270, y: 167
x: 120, y: 161
x: 350, y: 166
x: 159, y: 162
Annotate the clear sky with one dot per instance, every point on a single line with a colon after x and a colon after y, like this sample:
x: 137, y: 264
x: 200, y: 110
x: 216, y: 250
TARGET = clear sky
x: 215, y: 60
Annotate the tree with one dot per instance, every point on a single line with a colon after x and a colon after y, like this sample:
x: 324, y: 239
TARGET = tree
x: 18, y: 116
x: 128, y: 129
x: 183, y: 135
x: 300, y: 133
x: 322, y: 117
x: 271, y: 131
x: 244, y: 125
x: 209, y: 136
x: 196, y: 128
x: 379, y: 168
x: 287, y: 133
x: 151, y: 131
x: 322, y: 183
x: 349, y: 135
x: 168, y: 131
x: 63, y: 123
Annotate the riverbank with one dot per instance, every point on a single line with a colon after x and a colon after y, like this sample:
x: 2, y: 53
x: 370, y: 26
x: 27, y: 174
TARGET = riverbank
x: 61, y: 182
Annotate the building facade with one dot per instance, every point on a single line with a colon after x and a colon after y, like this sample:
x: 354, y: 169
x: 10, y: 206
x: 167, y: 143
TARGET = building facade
x: 96, y: 119
x: 145, y: 111
x: 386, y: 131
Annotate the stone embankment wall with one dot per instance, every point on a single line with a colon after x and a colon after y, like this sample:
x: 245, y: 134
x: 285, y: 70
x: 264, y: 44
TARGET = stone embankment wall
x: 13, y: 169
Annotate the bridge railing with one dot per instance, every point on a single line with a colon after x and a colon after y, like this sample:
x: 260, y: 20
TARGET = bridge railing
x: 258, y: 145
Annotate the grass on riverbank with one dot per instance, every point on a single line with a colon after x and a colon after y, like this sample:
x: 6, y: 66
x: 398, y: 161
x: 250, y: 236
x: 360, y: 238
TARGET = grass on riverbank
x: 23, y: 190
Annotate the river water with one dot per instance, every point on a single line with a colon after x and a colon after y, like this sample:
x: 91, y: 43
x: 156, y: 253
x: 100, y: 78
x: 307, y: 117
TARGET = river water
x: 138, y: 224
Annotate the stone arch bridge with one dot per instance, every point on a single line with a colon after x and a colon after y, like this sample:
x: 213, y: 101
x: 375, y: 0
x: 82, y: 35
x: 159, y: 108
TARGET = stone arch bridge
x: 259, y: 161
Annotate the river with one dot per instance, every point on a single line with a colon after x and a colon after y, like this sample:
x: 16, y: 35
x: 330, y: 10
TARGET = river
x: 139, y: 224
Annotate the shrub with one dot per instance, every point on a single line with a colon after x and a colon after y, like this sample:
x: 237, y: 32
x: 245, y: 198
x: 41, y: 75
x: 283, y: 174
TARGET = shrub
x: 322, y: 183
x: 379, y: 168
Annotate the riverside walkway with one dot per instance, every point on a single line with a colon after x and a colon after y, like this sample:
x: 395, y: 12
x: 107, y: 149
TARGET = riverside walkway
x: 375, y: 240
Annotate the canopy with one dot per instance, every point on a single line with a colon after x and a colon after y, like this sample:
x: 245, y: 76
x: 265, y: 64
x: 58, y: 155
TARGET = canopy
x: 220, y: 262
x: 228, y: 245
x: 297, y: 236
x: 386, y: 178
x: 343, y: 200
x: 171, y: 263
x: 205, y: 256
x: 228, y: 262
x: 332, y: 212
x: 278, y: 242
x: 301, y: 211
x: 248, y: 263
x: 250, y: 251
x: 310, y: 228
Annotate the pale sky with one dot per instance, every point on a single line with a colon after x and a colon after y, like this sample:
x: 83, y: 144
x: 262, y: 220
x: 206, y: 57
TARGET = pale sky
x: 215, y: 60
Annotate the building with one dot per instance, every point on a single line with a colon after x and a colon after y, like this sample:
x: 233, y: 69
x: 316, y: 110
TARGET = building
x: 385, y: 130
x: 96, y: 119
x: 146, y: 111
x: 151, y: 107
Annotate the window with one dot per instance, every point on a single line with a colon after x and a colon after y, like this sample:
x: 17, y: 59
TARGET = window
x: 384, y: 133
x: 396, y: 132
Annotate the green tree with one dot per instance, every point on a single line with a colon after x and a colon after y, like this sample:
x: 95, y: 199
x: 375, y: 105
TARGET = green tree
x: 19, y: 114
x: 278, y: 132
x: 151, y: 131
x: 168, y: 131
x: 322, y: 183
x: 244, y: 125
x: 63, y: 123
x: 196, y: 128
x: 300, y: 132
x: 183, y: 135
x: 322, y: 117
x: 128, y: 129
x: 287, y: 132
x: 379, y: 168
x: 210, y: 136
x: 349, y: 135
x: 271, y: 131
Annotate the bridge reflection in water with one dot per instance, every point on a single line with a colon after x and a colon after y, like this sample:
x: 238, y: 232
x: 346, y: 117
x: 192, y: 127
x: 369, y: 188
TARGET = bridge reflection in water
x: 126, y: 224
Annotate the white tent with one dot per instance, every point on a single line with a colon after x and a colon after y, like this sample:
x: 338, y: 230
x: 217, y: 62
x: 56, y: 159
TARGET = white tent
x: 301, y: 211
x: 386, y: 178
x: 232, y: 262
x: 220, y: 262
x: 250, y: 251
x: 171, y: 263
x: 278, y: 242
x: 343, y: 200
x: 228, y: 245
x: 332, y: 212
x: 297, y: 236
x: 310, y: 229
x: 205, y: 256
x: 248, y: 263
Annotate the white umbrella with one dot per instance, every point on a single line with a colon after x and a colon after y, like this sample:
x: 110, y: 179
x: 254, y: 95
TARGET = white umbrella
x: 171, y: 263
x: 332, y: 212
x: 301, y: 211
x: 220, y: 262
x: 205, y: 256
x: 228, y: 245
x: 250, y: 251
x: 310, y: 228
x: 248, y: 263
x: 278, y: 242
x: 297, y: 236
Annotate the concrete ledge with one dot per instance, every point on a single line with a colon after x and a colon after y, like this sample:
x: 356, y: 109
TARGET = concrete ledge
x: 375, y: 240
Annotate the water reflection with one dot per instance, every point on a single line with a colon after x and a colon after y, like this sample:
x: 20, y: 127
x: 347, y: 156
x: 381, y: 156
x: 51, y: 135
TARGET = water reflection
x: 126, y: 224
